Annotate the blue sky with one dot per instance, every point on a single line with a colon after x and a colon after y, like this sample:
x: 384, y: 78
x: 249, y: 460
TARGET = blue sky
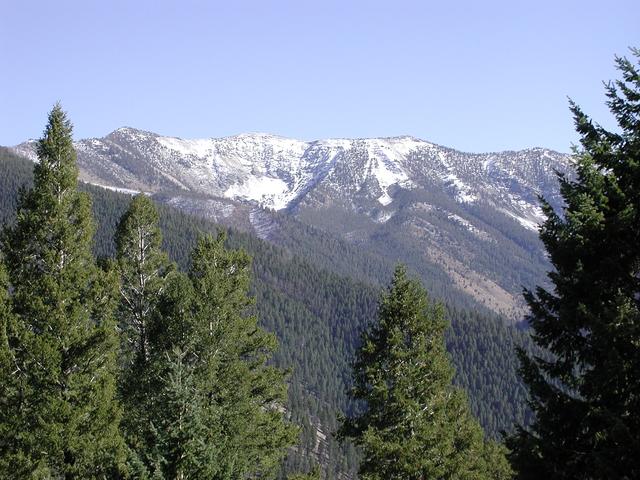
x: 473, y: 75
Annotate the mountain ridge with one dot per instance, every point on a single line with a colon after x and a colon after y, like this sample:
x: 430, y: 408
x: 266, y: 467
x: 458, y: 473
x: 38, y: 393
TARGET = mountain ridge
x: 220, y: 166
x: 317, y: 297
x: 473, y: 217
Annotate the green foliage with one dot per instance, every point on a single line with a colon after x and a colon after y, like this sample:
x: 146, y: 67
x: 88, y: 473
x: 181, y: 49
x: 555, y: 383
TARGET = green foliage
x: 495, y: 461
x: 59, y: 415
x: 143, y: 268
x: 314, y: 474
x: 246, y: 395
x: 185, y: 437
x: 305, y: 295
x: 414, y: 423
x: 586, y: 392
x: 201, y: 400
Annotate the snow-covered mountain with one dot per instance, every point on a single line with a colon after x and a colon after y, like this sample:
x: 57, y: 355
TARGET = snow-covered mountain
x: 403, y: 197
x: 278, y: 173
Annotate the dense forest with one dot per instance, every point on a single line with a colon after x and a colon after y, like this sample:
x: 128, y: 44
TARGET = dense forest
x: 129, y: 345
x: 307, y: 304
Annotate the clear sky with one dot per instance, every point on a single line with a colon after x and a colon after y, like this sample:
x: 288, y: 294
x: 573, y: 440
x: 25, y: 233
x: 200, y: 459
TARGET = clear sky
x: 473, y: 75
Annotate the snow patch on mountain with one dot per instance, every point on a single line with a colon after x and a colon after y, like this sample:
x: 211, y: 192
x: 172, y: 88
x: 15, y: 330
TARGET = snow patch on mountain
x: 280, y: 173
x: 128, y: 191
x: 525, y: 222
x: 462, y: 190
x: 384, y: 217
x: 27, y: 150
x: 266, y: 191
x: 385, y: 166
x: 198, y: 148
x: 405, y: 146
x: 469, y: 226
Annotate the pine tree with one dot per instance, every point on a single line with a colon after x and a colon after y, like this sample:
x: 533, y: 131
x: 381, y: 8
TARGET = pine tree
x: 244, y: 394
x: 60, y: 402
x: 143, y: 268
x: 314, y: 474
x: 180, y: 425
x: 586, y: 392
x: 216, y: 407
x: 9, y: 394
x: 414, y: 423
x: 176, y: 437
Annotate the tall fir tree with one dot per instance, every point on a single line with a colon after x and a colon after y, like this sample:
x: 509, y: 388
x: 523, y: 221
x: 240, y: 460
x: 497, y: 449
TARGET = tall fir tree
x: 59, y: 392
x: 414, y: 423
x: 143, y: 269
x: 217, y: 407
x: 9, y: 394
x: 586, y: 393
x: 169, y: 432
x: 244, y: 393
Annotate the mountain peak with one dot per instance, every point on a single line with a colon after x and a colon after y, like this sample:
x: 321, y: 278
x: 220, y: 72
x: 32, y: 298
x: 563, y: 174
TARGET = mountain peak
x: 279, y: 172
x: 130, y: 131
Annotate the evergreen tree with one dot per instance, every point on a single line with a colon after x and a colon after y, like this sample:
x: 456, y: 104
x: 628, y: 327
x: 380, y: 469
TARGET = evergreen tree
x: 143, y: 268
x: 314, y: 474
x: 586, y: 393
x: 60, y: 417
x: 9, y: 395
x: 181, y: 432
x: 244, y: 394
x: 414, y: 423
x: 216, y: 408
x: 181, y: 429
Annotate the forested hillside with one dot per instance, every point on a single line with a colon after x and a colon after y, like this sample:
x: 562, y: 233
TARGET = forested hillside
x: 443, y: 212
x: 317, y: 311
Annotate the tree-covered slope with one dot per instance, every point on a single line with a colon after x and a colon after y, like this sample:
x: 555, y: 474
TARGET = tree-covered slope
x: 443, y: 212
x: 318, y: 312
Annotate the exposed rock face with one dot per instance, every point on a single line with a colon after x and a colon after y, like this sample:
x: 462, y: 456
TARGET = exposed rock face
x: 457, y: 211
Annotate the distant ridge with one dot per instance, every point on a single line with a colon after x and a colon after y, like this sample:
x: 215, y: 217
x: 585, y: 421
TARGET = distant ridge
x: 470, y: 217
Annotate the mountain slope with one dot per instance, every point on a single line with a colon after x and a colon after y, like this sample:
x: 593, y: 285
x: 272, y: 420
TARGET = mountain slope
x: 468, y: 220
x: 317, y: 315
x: 279, y: 173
